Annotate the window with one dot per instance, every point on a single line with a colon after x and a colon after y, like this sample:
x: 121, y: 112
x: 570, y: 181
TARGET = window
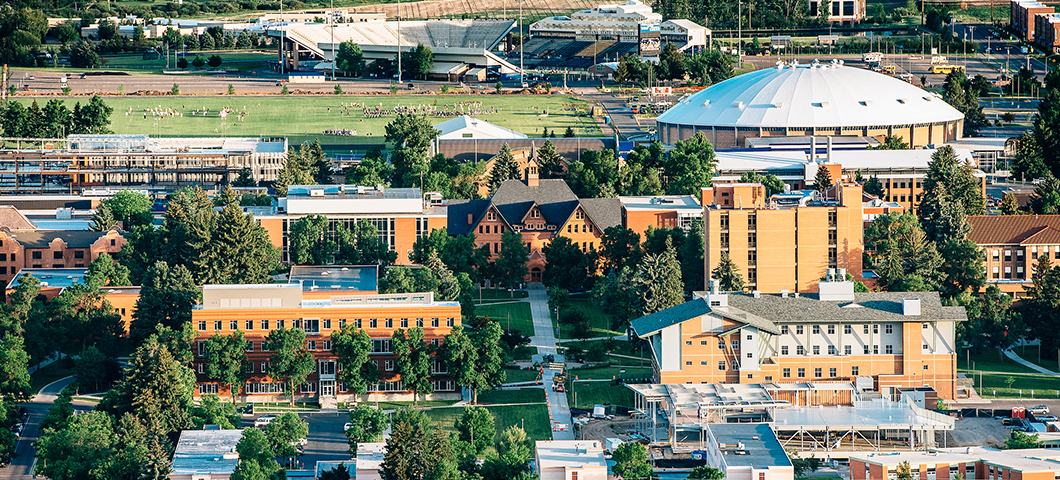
x: 783, y: 329
x: 202, y: 367
x: 847, y: 329
x: 752, y: 222
x: 865, y: 329
x: 201, y: 347
x: 434, y: 322
x: 404, y: 323
x: 888, y: 349
x: 798, y: 329
x: 749, y: 337
x: 264, y: 324
x: 749, y: 355
x: 688, y: 363
x: 37, y: 255
x: 784, y: 350
x: 388, y: 365
x: 752, y: 240
x: 57, y: 255
x: 233, y: 325
x: 833, y: 237
x: 735, y: 344
x: 264, y: 367
x: 309, y: 387
x: 250, y: 346
x: 279, y: 324
x: 688, y: 343
x: 817, y: 372
x: 311, y: 345
x: 786, y: 373
x: 724, y: 220
x: 724, y: 240
x: 888, y: 329
x: 925, y: 367
x: 854, y: 371
x: 327, y: 324
x: 250, y: 367
x: 208, y: 389
x: 833, y: 219
x: 327, y: 345
x: 752, y: 257
x: 846, y: 349
x: 816, y: 349
x: 800, y: 350
x: 703, y: 363
x: 381, y: 345
x: 721, y: 365
x: 831, y: 350
x: 876, y: 329
x: 249, y: 324
x: 202, y: 325
x: 831, y: 372
x: 875, y: 349
x: 79, y: 254
x: 702, y: 343
x: 217, y: 325
x: 816, y: 329
x: 831, y: 329
x: 451, y: 322
x: 419, y: 322
x: 373, y: 323
x: 721, y: 344
x: 802, y: 373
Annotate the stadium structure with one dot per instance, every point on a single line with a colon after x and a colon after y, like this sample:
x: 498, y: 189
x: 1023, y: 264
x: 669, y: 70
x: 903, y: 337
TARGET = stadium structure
x: 458, y: 45
x: 822, y: 99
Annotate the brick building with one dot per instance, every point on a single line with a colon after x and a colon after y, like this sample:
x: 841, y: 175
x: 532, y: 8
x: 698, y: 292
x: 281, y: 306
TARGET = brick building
x: 897, y: 339
x: 660, y: 211
x: 1047, y: 31
x: 1021, y: 16
x: 256, y: 310
x: 1012, y: 245
x: 540, y: 210
x: 401, y: 214
x: 964, y: 462
x: 24, y: 245
x: 783, y: 242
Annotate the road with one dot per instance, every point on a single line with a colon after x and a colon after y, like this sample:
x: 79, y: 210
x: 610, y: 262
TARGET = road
x: 22, y: 466
x: 326, y: 441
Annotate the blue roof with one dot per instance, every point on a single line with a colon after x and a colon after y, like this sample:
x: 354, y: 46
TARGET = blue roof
x: 52, y: 277
x: 671, y: 316
x: 356, y: 278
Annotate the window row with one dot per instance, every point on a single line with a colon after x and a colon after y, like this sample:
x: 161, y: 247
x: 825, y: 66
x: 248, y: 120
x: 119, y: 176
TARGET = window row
x: 314, y: 325
x: 832, y: 350
x: 831, y: 329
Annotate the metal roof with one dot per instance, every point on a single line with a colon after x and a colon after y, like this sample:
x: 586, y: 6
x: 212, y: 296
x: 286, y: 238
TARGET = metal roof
x: 825, y: 95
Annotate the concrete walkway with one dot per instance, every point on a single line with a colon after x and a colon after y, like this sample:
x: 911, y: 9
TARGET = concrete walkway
x: 545, y: 340
x: 1031, y: 365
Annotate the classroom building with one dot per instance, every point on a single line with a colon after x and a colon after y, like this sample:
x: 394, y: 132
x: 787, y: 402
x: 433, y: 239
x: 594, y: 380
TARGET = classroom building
x: 660, y: 211
x: 257, y: 310
x: 1021, y: 16
x: 896, y: 339
x: 23, y: 244
x: 785, y: 242
x: 1012, y: 245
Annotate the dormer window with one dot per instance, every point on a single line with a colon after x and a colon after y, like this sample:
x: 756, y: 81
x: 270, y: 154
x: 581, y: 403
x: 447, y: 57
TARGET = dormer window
x: 491, y: 216
x: 578, y: 214
x: 535, y: 213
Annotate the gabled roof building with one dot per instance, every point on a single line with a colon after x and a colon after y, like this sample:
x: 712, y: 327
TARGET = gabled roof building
x: 539, y: 210
x: 1012, y: 244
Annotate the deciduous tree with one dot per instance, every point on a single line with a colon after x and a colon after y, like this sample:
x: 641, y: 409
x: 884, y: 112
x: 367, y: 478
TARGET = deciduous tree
x: 352, y: 348
x: 226, y: 360
x: 290, y: 361
x: 413, y: 361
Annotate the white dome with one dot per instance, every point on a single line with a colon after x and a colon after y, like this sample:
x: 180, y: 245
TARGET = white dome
x: 825, y: 95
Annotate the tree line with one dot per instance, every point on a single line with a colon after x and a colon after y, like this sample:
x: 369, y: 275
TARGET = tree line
x: 703, y: 68
x: 54, y: 120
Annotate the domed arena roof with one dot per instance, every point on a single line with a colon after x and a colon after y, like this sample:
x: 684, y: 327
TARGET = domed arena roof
x: 810, y: 95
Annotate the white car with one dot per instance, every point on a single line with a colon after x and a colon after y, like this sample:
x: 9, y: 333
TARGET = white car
x: 264, y: 420
x: 1039, y: 410
x: 346, y: 428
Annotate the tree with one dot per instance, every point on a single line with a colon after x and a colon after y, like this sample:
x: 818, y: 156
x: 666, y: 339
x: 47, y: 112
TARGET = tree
x: 284, y: 432
x: 214, y: 61
x: 1029, y: 162
x: 166, y: 298
x: 412, y: 136
x: 83, y: 55
x: 104, y: 271
x: 773, y: 184
x: 512, y: 456
x: 212, y: 411
x: 568, y: 266
x: 338, y: 473
x: 511, y: 261
x: 176, y: 87
x: 902, y: 472
x: 362, y: 245
x: 309, y: 241
x: 461, y: 359
x: 727, y: 274
x: 874, y: 186
x: 568, y: 133
x: 958, y: 92
x: 256, y: 457
x: 290, y: 360
x: 414, y: 451
x: 1021, y: 440
x: 490, y: 365
x: 948, y: 181
x: 226, y: 360
x: 352, y: 347
x: 366, y: 424
x: 1009, y: 205
x: 373, y: 170
x: 413, y: 361
x: 350, y: 58
x: 476, y: 427
x: 619, y: 247
x: 823, y: 181
x: 239, y: 251
x: 78, y: 452
x: 689, y: 166
x: 631, y: 461
x: 504, y: 168
x: 182, y: 64
x: 904, y: 259
x: 156, y: 389
x: 199, y: 62
x: 91, y: 368
x: 419, y: 61
x: 129, y: 207
x: 706, y: 473
x: 430, y: 244
x: 891, y: 142
x: 550, y: 164
x: 658, y: 281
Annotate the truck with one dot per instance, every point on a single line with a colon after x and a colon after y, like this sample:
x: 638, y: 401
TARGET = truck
x: 872, y: 57
x: 599, y: 411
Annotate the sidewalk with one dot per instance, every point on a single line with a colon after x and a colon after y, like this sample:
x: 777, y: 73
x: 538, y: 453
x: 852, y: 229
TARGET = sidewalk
x: 545, y: 340
x: 1038, y: 368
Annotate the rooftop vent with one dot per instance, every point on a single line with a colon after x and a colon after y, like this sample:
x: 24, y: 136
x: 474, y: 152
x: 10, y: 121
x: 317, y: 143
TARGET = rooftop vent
x: 902, y: 101
x: 738, y: 105
x: 756, y: 293
x: 911, y: 306
x: 784, y: 293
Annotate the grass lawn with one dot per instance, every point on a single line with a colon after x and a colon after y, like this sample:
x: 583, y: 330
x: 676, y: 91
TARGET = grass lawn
x: 988, y: 361
x: 533, y: 418
x: 522, y: 395
x: 309, y: 115
x: 599, y: 321
x: 421, y: 403
x: 521, y: 375
x: 55, y: 371
x: 487, y: 294
x: 512, y: 316
x: 1030, y: 354
x: 599, y: 393
x: 608, y: 372
x: 996, y: 386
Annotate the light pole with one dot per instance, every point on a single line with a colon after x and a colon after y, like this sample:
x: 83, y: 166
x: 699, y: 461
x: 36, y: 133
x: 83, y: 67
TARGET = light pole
x: 333, y: 58
x: 399, y: 40
x: 283, y: 36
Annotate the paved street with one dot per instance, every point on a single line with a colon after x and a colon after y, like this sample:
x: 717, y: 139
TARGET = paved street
x: 22, y: 466
x: 545, y: 340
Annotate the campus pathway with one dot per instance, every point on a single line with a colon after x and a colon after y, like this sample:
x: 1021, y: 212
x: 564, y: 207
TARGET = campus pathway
x: 1031, y: 365
x: 545, y: 340
x: 22, y: 465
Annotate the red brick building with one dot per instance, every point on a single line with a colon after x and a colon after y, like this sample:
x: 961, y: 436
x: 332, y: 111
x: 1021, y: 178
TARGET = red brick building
x: 23, y: 245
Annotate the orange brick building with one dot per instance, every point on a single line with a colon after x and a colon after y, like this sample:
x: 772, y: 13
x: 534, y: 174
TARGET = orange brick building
x: 899, y: 340
x: 539, y: 210
x: 968, y: 462
x: 784, y: 242
x: 401, y: 214
x: 23, y: 245
x: 662, y: 211
x: 1012, y: 245
x: 256, y: 310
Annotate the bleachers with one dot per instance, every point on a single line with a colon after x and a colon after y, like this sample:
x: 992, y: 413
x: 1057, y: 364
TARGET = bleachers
x: 595, y: 48
x: 570, y: 49
x: 483, y: 34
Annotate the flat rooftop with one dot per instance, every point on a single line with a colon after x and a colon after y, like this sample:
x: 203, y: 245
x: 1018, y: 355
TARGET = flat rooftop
x: 51, y: 277
x: 662, y: 202
x: 875, y: 414
x: 1028, y: 460
x: 761, y: 449
x: 708, y: 395
x: 351, y: 192
x: 206, y: 452
x: 357, y: 278
x: 870, y: 160
x: 570, y: 453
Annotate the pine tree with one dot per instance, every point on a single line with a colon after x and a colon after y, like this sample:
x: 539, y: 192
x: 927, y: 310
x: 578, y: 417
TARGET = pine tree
x: 727, y: 274
x: 240, y: 251
x: 157, y: 389
x: 504, y: 168
x: 166, y: 298
x: 448, y: 289
x: 550, y: 164
x: 823, y: 180
x: 658, y: 281
x: 1009, y: 205
x: 103, y: 219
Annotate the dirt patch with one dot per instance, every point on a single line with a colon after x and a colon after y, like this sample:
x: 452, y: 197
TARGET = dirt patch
x: 599, y: 429
x: 977, y: 432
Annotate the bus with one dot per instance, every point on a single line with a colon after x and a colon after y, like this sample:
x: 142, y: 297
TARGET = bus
x: 946, y: 69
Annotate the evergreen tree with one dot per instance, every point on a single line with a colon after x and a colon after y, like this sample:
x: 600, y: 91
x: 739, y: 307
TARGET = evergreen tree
x: 568, y: 266
x: 187, y: 231
x: 476, y: 427
x: 727, y: 274
x: 948, y: 181
x: 1009, y: 205
x: 240, y: 251
x: 550, y: 164
x: 504, y: 168
x: 246, y: 177
x: 511, y: 261
x: 157, y: 389
x: 658, y: 281
x: 823, y: 180
x: 905, y: 260
x: 511, y: 460
x: 167, y: 296
x: 104, y: 271
x: 874, y: 187
x: 448, y: 289
x: 414, y: 451
x: 413, y: 361
x: 412, y: 136
x: 290, y: 361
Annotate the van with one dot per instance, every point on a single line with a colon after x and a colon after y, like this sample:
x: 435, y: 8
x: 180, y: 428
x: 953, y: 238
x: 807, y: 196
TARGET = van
x: 264, y: 420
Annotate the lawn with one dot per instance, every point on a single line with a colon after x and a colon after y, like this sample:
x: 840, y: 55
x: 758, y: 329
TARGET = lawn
x: 244, y: 60
x: 608, y: 372
x: 301, y: 116
x: 512, y: 316
x: 1030, y: 354
x: 988, y: 361
x: 521, y: 375
x: 599, y: 393
x: 54, y: 371
x: 522, y: 395
x: 533, y: 419
x: 487, y: 294
x: 599, y: 321
x: 997, y: 386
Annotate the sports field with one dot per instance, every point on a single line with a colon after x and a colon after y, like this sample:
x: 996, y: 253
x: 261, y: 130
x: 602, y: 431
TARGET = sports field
x: 311, y: 115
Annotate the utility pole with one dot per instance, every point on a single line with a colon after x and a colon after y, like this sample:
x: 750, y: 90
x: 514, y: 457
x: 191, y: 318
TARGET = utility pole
x: 399, y: 39
x: 333, y: 57
x: 283, y: 36
x: 739, y: 34
x: 522, y: 70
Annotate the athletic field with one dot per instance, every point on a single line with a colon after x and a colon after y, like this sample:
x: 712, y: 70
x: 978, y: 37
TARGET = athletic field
x: 298, y: 116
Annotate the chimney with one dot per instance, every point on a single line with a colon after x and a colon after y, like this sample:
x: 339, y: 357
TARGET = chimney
x: 532, y: 179
x: 714, y: 286
x: 470, y: 219
x: 911, y: 306
x: 830, y: 275
x: 841, y: 274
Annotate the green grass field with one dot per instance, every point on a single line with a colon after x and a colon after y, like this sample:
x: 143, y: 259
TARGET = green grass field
x: 599, y: 393
x: 996, y: 385
x: 244, y: 60
x: 988, y: 361
x: 309, y: 115
x: 522, y: 395
x: 599, y: 321
x: 50, y: 373
x: 608, y: 373
x: 520, y: 318
x: 533, y: 418
x: 521, y: 375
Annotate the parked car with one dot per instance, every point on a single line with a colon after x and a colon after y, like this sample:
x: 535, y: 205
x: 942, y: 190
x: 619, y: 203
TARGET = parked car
x: 264, y: 420
x: 346, y: 428
x: 1045, y: 418
x: 1039, y: 410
